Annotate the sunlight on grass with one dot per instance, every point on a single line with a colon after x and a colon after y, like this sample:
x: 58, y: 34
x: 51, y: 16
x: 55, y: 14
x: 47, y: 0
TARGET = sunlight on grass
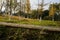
x: 28, y: 21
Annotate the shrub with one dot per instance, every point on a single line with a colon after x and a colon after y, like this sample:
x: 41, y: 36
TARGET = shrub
x: 27, y: 34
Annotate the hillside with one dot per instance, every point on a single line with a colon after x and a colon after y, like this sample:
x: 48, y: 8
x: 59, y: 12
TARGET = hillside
x: 22, y: 20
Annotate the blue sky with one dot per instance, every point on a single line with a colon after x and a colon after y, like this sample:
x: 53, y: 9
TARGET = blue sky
x: 35, y: 2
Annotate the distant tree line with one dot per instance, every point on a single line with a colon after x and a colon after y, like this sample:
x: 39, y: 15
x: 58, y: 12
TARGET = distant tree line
x: 52, y: 13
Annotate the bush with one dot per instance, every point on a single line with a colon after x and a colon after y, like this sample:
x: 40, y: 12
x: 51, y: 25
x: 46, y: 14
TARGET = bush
x: 27, y: 34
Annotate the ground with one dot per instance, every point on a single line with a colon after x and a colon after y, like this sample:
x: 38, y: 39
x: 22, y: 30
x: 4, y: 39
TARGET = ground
x: 22, y: 20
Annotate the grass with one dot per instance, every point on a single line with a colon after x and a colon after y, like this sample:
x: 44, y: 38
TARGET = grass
x: 21, y: 20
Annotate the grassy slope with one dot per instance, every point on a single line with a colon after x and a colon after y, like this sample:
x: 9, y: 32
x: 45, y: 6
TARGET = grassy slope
x: 22, y: 20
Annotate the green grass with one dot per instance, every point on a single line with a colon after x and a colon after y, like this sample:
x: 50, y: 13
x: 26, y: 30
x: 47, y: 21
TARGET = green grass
x: 30, y: 21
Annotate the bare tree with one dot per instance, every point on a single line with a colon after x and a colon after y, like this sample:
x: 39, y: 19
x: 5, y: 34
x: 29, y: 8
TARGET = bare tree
x: 40, y: 8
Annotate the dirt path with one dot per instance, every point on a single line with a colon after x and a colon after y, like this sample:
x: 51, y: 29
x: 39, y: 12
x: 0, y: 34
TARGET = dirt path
x: 29, y: 26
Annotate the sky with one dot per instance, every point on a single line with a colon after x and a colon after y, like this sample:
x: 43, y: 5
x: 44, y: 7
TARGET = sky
x: 35, y: 2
